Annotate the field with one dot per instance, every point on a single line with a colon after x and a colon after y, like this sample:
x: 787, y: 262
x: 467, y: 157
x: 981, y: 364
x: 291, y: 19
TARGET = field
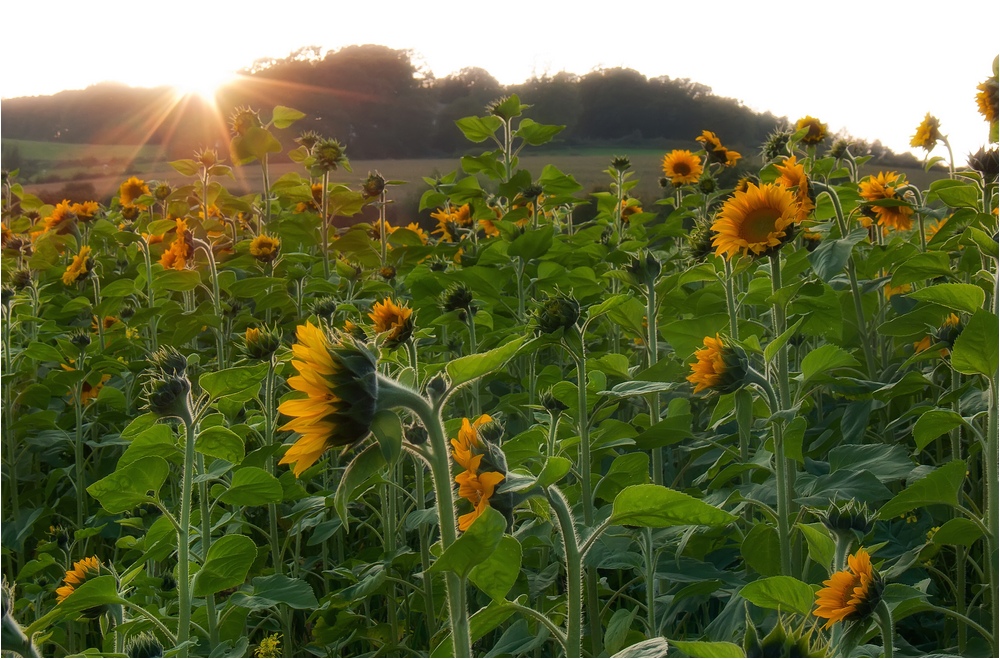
x: 259, y: 409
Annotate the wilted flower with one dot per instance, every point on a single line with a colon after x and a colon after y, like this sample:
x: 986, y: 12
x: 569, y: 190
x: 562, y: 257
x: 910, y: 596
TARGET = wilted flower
x: 850, y: 594
x: 339, y: 380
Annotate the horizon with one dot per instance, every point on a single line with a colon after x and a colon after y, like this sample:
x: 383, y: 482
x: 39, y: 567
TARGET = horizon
x: 882, y: 97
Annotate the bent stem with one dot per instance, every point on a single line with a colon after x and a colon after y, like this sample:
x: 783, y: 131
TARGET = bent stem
x: 392, y: 394
x: 887, y: 628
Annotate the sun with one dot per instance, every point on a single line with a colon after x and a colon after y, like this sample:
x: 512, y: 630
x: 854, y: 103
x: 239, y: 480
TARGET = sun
x: 203, y: 84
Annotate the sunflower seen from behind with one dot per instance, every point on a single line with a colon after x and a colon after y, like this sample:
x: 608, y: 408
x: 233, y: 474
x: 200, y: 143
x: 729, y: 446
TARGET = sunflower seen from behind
x: 83, y: 569
x: 338, y: 379
x: 393, y: 319
x: 928, y: 133
x: 852, y: 594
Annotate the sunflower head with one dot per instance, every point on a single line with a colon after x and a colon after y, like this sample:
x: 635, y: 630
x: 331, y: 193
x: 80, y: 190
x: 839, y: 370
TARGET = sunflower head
x: 840, y: 148
x: 387, y: 273
x: 621, y: 164
x: 792, y: 175
x: 552, y: 404
x: 131, y: 190
x: 928, y: 133
x: 884, y: 185
x: 79, y: 268
x: 162, y: 191
x: 264, y: 248
x: 815, y: 129
x: 681, y: 167
x: 355, y: 331
x: 484, y: 467
x: 21, y: 278
x: 394, y: 320
x: 786, y: 639
x: 986, y: 162
x: 143, y: 644
x: 720, y: 366
x: 330, y: 156
x: 269, y: 646
x: 83, y: 569
x: 776, y: 144
x: 325, y: 307
x: 755, y: 221
x: 85, y: 211
x: 849, y: 517
x: 850, y: 595
x: 557, y: 312
x: 261, y: 343
x: 987, y: 98
x: 716, y: 152
x: 373, y: 186
x: 699, y: 242
x: 457, y: 298
x: 338, y: 378
x: 242, y: 120
x: 645, y: 269
x: 308, y: 139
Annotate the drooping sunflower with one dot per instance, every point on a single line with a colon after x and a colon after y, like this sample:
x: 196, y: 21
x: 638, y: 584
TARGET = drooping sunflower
x: 477, y: 488
x: 393, y: 318
x: 264, y: 248
x: 131, y: 190
x: 717, y: 152
x: 850, y: 594
x: 754, y: 221
x: 792, y: 175
x: 339, y: 380
x: 883, y: 186
x: 468, y: 439
x: 709, y: 368
x: 61, y: 218
x: 82, y: 570
x: 79, y: 267
x: 946, y: 333
x: 928, y: 133
x: 681, y: 167
x: 816, y: 129
x: 988, y: 99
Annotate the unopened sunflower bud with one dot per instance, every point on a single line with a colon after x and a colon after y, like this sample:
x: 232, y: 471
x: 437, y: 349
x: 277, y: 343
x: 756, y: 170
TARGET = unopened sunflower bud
x: 532, y: 192
x: 645, y: 269
x: 456, y: 297
x: 208, y: 157
x: 169, y: 361
x: 166, y: 395
x: 849, y: 516
x: 162, y: 191
x: 80, y: 339
x: 324, y: 307
x: 329, y: 155
x: 387, y: 273
x: 143, y: 644
x: 261, y: 343
x: 707, y: 184
x: 620, y: 163
x: 415, y: 434
x: 296, y: 272
x: 308, y: 139
x: 356, y: 331
x: 557, y: 312
x: 492, y: 431
x: 438, y: 386
x: 373, y: 186
x: 552, y: 404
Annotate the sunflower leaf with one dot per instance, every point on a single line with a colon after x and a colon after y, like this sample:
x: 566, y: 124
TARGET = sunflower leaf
x: 474, y: 546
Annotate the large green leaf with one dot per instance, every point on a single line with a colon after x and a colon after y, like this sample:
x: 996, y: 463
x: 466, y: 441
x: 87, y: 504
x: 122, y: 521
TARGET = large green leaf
x: 283, y: 117
x: 157, y: 441
x: 957, y: 531
x: 626, y: 469
x: 220, y: 442
x: 233, y: 380
x: 226, y: 565
x: 252, y: 486
x: 786, y: 594
x: 976, y: 348
x: 761, y: 549
x: 925, y: 265
x: 708, y: 648
x: 531, y: 244
x: 657, y: 506
x: 481, y: 622
x: 536, y: 134
x: 478, y: 129
x: 496, y: 575
x: 828, y: 260
x: 940, y: 486
x: 364, y: 465
x: 474, y: 545
x: 268, y: 592
x: 934, y: 423
x: 128, y: 486
x: 824, y: 359
x: 960, y: 297
x: 651, y: 647
x: 470, y: 367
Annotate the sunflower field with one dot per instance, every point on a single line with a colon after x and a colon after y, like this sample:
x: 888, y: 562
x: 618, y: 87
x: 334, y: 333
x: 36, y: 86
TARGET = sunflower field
x: 754, y: 417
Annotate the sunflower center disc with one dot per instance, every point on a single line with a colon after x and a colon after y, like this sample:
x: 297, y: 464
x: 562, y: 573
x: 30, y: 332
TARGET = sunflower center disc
x: 759, y: 225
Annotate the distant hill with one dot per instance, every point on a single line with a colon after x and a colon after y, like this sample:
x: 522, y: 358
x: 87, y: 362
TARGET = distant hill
x: 381, y: 105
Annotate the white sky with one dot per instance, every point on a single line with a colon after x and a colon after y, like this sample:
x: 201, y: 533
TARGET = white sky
x: 873, y: 68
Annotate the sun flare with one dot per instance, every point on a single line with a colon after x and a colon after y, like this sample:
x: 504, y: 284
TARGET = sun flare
x: 203, y: 84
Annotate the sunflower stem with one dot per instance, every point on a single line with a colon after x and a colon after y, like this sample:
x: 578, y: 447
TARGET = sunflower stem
x: 206, y: 543
x: 653, y: 351
x: 184, y: 532
x: 886, y: 626
x: 325, y: 226
x: 784, y: 531
x: 574, y: 572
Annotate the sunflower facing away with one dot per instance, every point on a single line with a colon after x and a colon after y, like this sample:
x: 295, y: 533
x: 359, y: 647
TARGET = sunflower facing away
x: 754, y: 221
x: 717, y: 152
x: 928, y: 133
x: 474, y: 486
x: 709, y: 368
x: 681, y: 166
x: 82, y: 570
x: 850, y: 594
x: 180, y: 251
x: 78, y: 267
x: 393, y: 318
x: 988, y: 99
x: 792, y: 175
x: 339, y: 381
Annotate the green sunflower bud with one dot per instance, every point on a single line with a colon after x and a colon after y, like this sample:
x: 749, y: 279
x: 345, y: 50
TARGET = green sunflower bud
x: 143, y: 644
x: 330, y: 156
x: 552, y: 404
x: 849, y: 516
x: 373, y: 186
x: 557, y: 312
x: 621, y: 163
x: 261, y: 343
x: 169, y: 361
x: 456, y: 297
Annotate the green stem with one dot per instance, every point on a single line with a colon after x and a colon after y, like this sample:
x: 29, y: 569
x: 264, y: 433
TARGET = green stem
x: 574, y: 572
x: 184, y: 533
x: 266, y: 196
x: 325, y: 226
x: 652, y: 348
x: 650, y: 555
x: 940, y: 610
x: 425, y: 554
x: 992, y: 511
x: 784, y: 531
x: 81, y: 493
x: 886, y: 626
x: 473, y: 349
x: 171, y: 639
x: 206, y: 544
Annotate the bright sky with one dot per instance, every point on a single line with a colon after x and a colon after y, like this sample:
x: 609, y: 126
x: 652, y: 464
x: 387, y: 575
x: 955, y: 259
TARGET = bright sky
x: 872, y: 68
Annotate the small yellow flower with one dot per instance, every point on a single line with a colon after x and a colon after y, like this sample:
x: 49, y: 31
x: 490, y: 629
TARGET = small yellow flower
x: 817, y: 129
x: 681, y: 167
x: 80, y: 572
x: 270, y: 646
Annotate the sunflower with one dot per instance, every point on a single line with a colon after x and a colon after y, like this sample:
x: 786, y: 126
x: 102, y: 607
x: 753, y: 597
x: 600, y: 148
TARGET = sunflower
x: 883, y: 186
x: 180, y: 251
x: 850, y: 594
x: 681, y: 166
x: 816, y: 129
x: 339, y: 380
x: 707, y: 372
x: 754, y: 221
x: 477, y: 488
x: 82, y: 570
x: 264, y: 248
x: 928, y: 133
x: 792, y: 175
x: 131, y: 190
x: 85, y: 212
x: 717, y: 152
x: 393, y: 318
x: 468, y: 439
x: 61, y: 218
x: 934, y: 227
x: 415, y: 228
x: 946, y: 333
x: 988, y: 98
x: 79, y: 267
x: 896, y: 290
x: 489, y: 228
